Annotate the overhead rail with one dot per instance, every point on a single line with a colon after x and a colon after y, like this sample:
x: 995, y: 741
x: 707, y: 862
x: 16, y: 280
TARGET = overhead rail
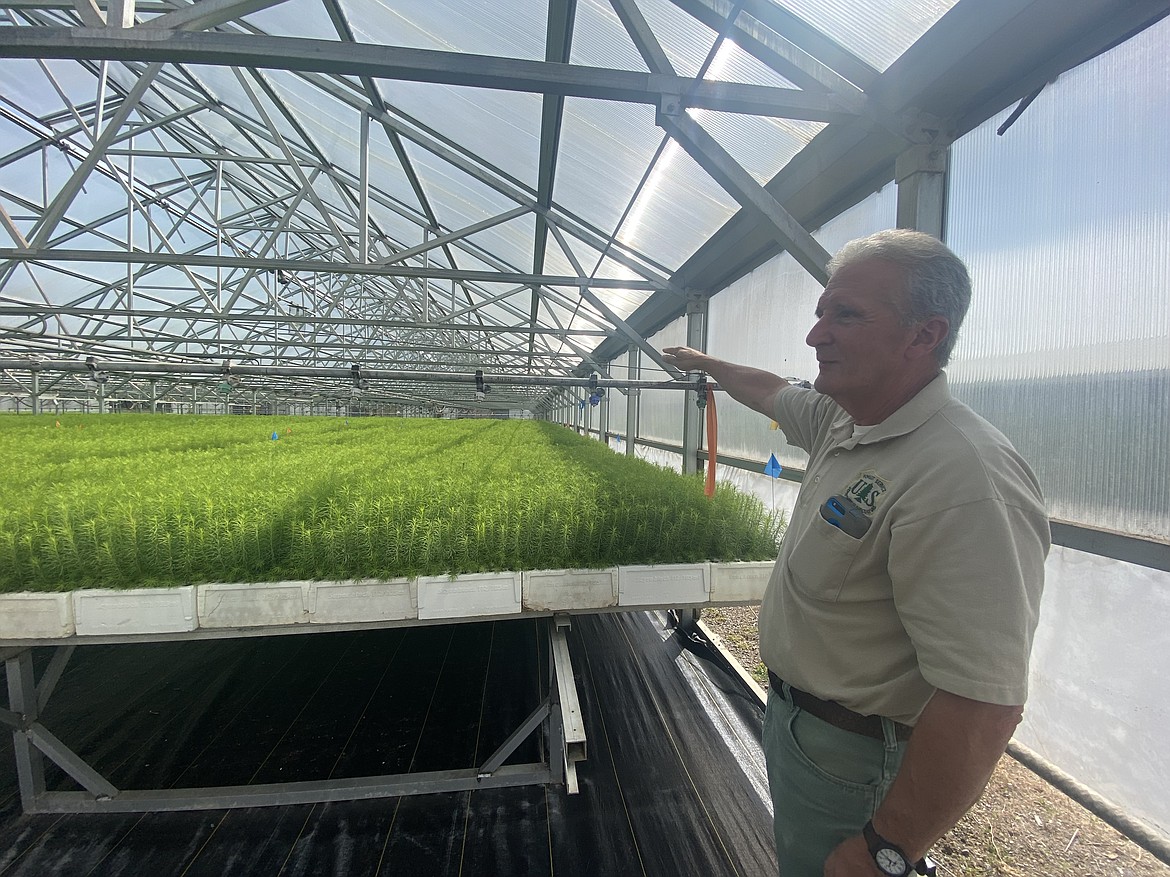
x: 425, y: 65
x: 378, y: 269
x: 479, y: 377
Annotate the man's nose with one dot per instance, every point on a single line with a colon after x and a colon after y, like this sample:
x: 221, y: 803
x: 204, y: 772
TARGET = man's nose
x: 817, y: 335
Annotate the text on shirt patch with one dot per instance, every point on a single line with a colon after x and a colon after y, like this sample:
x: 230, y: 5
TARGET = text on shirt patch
x: 867, y: 491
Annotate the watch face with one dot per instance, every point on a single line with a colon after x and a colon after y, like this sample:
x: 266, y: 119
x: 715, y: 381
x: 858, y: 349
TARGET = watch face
x: 890, y: 862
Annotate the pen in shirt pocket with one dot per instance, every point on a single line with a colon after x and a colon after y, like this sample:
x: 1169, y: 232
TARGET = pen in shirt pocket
x: 845, y: 515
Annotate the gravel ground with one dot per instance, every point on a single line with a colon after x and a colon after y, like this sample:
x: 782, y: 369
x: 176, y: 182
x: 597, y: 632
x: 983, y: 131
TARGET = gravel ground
x: 1021, y: 825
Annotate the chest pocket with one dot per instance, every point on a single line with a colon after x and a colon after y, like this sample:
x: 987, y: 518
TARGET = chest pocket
x: 821, y: 560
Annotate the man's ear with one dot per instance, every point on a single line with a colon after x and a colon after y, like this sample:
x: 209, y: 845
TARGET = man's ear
x: 930, y: 333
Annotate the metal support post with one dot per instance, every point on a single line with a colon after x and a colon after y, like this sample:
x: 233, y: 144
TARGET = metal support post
x: 692, y: 416
x: 22, y: 698
x: 555, y: 730
x: 603, y: 418
x: 36, y: 392
x: 921, y: 175
x: 633, y: 399
x: 567, y: 706
x: 364, y: 192
x: 154, y: 397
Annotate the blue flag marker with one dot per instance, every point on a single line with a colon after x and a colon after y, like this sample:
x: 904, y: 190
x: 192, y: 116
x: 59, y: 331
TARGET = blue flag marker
x: 275, y: 436
x: 773, y: 467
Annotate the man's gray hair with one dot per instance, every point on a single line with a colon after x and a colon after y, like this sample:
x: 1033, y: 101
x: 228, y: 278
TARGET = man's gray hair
x: 937, y: 283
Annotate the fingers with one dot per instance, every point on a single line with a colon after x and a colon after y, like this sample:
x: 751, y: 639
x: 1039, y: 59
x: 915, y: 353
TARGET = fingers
x: 681, y: 357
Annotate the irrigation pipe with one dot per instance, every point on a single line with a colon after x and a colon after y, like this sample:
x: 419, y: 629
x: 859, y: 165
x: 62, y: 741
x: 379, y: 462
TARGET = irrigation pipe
x: 339, y: 372
x: 1146, y: 837
x: 712, y: 443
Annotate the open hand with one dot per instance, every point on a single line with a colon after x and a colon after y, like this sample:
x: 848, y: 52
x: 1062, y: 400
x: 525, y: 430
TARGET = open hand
x: 685, y: 358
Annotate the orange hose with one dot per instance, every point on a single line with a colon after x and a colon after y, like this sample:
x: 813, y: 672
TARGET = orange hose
x: 712, y: 442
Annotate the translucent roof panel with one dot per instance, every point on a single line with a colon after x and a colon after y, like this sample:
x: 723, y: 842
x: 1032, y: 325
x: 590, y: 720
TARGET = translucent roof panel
x: 876, y: 32
x: 501, y: 128
x: 603, y: 140
x: 688, y: 43
x: 486, y: 28
x: 295, y: 18
x: 677, y: 210
x: 332, y: 127
x: 26, y: 86
x: 600, y: 40
x: 760, y: 145
x: 513, y: 236
x: 685, y: 40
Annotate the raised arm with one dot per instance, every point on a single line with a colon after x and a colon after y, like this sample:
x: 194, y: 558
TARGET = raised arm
x: 752, y: 387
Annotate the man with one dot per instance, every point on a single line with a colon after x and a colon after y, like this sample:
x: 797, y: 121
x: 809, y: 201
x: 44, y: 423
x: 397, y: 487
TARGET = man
x: 908, y: 584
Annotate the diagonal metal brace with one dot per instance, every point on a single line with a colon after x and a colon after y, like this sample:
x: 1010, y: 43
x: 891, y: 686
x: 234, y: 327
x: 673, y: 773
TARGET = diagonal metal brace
x: 514, y: 740
x: 52, y: 674
x: 70, y: 762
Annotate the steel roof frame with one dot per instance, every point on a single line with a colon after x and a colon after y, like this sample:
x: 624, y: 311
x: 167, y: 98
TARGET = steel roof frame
x: 350, y: 289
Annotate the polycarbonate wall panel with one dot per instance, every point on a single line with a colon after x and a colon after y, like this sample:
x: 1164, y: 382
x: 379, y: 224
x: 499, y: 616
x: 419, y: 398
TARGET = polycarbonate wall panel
x: 1097, y: 706
x: 616, y: 399
x: 762, y: 319
x: 660, y: 413
x: 1065, y: 224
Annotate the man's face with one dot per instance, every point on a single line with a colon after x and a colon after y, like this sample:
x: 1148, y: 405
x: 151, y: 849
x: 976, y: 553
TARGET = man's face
x: 859, y: 337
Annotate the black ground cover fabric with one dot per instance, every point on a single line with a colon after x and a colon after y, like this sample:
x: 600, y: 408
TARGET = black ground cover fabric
x: 673, y: 784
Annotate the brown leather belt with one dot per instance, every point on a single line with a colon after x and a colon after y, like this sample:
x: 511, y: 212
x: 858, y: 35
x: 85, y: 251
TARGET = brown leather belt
x: 836, y: 715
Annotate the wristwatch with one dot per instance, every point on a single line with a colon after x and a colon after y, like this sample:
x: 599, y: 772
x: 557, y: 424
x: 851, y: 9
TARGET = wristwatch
x: 887, y: 856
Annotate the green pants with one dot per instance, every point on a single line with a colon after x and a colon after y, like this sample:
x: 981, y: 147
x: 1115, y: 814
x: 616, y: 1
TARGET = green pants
x: 825, y: 783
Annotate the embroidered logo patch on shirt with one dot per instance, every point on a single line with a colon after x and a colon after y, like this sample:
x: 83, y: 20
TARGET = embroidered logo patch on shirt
x: 867, y: 491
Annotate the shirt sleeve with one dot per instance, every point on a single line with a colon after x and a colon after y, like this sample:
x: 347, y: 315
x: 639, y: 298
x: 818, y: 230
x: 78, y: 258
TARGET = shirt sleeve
x: 802, y: 414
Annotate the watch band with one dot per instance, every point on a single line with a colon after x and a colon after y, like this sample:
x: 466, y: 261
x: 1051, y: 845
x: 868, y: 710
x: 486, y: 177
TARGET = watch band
x: 888, y: 856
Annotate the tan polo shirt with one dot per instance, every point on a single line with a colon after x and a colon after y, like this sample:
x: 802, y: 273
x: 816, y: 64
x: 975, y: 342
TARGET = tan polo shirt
x: 941, y: 591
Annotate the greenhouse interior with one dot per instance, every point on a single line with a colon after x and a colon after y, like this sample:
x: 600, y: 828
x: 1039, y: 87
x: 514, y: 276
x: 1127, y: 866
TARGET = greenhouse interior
x: 347, y: 318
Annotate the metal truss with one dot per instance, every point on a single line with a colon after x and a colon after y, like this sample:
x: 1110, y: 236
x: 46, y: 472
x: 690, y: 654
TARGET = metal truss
x: 558, y: 718
x: 172, y: 196
x: 240, y: 238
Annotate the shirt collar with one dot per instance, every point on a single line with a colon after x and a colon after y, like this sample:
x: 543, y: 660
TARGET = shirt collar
x: 922, y: 406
